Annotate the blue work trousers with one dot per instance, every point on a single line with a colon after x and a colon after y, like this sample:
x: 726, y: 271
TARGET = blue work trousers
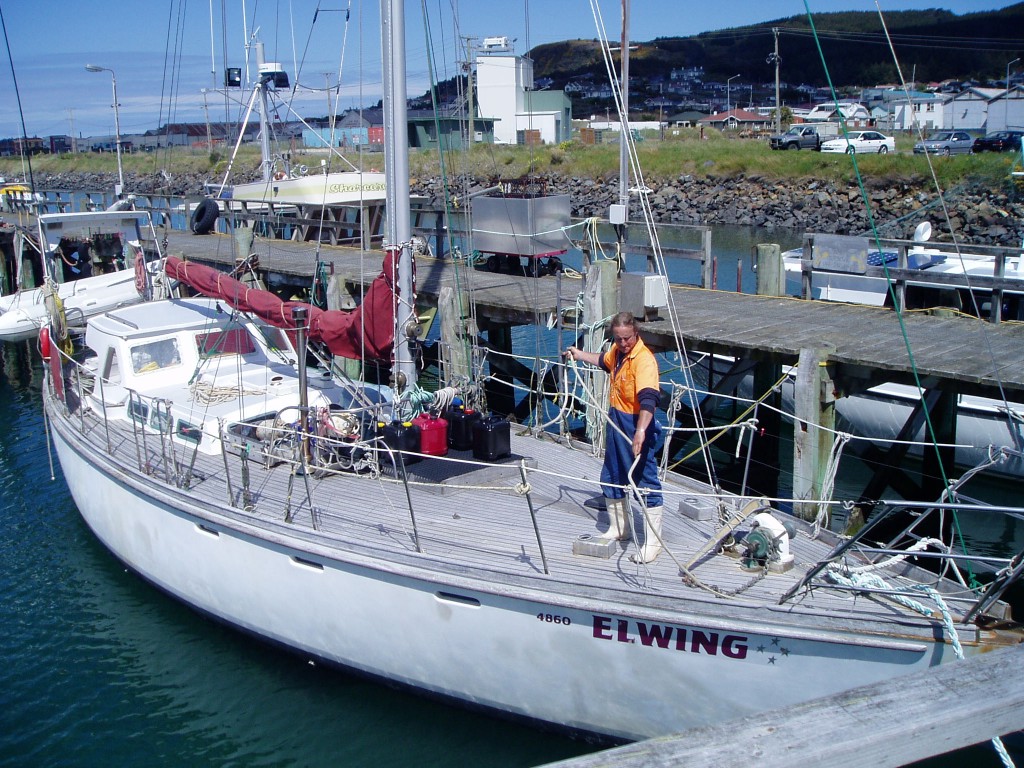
x: 618, y: 457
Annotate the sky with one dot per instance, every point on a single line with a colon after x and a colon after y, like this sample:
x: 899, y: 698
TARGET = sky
x: 163, y: 52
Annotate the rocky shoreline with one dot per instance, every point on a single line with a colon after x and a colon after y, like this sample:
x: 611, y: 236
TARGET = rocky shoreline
x: 978, y: 215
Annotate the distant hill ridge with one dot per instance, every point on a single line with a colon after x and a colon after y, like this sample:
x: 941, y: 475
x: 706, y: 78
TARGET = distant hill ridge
x: 932, y: 45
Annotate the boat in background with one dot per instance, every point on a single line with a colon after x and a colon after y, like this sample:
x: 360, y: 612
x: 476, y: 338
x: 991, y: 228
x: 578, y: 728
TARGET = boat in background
x: 352, y: 196
x: 839, y: 271
x: 92, y: 261
x: 984, y: 425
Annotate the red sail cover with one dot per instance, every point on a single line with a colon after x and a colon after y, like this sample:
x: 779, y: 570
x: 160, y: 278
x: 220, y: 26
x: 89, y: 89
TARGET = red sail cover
x: 366, y: 331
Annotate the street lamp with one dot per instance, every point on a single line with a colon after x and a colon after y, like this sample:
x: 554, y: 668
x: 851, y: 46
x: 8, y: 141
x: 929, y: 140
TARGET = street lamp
x: 117, y: 125
x: 728, y: 96
x: 1006, y: 96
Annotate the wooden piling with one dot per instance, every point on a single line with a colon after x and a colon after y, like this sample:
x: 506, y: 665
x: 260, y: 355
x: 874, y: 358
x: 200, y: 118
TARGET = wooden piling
x: 814, y: 432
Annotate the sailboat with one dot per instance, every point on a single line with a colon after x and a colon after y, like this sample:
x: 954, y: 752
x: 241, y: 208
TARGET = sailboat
x: 92, y: 261
x: 297, y: 506
x: 284, y: 187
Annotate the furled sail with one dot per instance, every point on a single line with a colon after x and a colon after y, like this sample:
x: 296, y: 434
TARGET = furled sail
x: 367, y: 331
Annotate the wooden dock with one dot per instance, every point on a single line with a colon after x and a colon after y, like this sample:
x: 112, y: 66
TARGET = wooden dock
x: 864, y: 345
x: 891, y: 723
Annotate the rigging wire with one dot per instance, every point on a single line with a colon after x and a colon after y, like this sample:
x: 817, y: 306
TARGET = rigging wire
x: 21, y: 113
x: 641, y: 188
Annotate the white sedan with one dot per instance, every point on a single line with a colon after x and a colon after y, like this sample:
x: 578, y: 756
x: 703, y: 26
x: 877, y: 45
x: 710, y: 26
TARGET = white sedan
x: 861, y: 141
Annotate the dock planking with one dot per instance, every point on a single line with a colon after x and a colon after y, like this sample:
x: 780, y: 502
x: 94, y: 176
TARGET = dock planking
x: 891, y: 723
x: 864, y: 343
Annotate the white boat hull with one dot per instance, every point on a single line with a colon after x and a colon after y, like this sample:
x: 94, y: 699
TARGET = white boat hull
x: 23, y: 313
x: 584, y: 664
x: 341, y: 188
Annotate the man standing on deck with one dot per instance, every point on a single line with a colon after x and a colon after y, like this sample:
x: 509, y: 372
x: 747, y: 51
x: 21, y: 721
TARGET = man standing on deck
x: 632, y: 432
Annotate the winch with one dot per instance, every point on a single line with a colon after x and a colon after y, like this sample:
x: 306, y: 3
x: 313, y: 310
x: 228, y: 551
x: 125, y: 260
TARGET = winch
x: 767, y: 544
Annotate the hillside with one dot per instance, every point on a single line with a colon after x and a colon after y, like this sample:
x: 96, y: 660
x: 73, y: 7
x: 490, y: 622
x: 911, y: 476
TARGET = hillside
x: 934, y: 44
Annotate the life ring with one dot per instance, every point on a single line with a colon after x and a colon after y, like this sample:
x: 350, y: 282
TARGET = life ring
x: 204, y: 217
x: 279, y: 176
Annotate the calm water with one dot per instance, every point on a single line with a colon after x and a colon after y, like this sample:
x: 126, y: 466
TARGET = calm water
x: 99, y: 669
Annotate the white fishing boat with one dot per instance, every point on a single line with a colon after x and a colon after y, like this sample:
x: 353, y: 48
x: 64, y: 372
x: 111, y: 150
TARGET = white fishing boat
x: 288, y: 504
x: 93, y: 261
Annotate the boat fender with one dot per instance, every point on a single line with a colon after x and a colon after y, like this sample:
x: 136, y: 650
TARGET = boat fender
x: 44, y: 343
x: 141, y: 283
x: 204, y: 217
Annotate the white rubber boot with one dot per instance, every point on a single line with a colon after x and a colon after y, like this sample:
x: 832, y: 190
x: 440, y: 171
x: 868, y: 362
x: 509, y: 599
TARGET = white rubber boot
x: 618, y: 520
x: 652, y: 537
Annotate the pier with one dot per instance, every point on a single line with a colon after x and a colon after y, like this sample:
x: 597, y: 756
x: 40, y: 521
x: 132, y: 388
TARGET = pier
x: 892, y: 723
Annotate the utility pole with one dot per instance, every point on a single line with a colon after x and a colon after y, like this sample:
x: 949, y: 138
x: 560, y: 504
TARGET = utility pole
x: 778, y: 104
x: 71, y: 122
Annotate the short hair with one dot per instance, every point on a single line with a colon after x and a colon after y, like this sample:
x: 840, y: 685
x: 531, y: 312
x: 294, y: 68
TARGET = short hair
x: 625, y: 319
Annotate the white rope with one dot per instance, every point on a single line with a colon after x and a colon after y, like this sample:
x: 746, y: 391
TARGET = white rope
x: 207, y: 394
x: 828, y: 483
x: 915, y: 547
x: 947, y: 620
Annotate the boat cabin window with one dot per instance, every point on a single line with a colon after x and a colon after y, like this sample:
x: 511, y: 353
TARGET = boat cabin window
x: 155, y: 355
x: 235, y: 341
x: 138, y: 411
x: 275, y: 339
x: 189, y: 432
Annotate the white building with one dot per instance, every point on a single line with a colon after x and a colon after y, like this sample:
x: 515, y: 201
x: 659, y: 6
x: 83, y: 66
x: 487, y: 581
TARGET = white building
x: 504, y: 85
x: 924, y: 110
x: 1006, y: 111
x: 968, y: 110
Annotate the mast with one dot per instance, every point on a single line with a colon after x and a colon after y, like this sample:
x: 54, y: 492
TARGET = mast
x: 620, y: 229
x: 264, y: 108
x: 396, y: 162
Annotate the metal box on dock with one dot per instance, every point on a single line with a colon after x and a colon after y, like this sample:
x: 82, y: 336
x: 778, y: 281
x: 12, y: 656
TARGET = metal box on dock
x: 524, y: 226
x: 643, y: 294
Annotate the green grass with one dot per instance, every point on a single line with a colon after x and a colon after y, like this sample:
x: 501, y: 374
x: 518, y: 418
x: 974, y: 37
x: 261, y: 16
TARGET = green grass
x: 662, y: 160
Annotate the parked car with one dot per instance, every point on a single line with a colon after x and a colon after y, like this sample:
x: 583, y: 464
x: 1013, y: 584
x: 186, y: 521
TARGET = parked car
x: 946, y: 143
x: 1000, y: 141
x: 861, y: 141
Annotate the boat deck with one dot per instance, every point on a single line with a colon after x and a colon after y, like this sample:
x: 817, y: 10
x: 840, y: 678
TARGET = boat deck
x: 474, y: 518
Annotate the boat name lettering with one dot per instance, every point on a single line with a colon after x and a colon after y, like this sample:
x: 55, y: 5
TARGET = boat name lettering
x: 670, y: 637
x: 336, y: 188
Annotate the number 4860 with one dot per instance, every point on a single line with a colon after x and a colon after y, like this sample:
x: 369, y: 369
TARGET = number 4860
x: 551, y: 618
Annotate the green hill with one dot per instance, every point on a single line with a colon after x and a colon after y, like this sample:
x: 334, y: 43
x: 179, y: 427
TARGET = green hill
x: 933, y: 45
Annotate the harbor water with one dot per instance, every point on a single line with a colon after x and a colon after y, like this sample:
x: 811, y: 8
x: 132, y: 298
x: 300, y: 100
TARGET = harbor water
x: 101, y: 669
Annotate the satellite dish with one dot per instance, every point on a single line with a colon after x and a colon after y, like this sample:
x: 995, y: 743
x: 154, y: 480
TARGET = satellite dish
x: 923, y: 232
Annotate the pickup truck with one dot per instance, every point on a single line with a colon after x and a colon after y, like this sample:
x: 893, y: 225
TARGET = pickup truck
x: 797, y: 137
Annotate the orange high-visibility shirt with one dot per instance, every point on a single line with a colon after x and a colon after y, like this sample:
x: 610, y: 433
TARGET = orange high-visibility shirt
x: 637, y: 372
